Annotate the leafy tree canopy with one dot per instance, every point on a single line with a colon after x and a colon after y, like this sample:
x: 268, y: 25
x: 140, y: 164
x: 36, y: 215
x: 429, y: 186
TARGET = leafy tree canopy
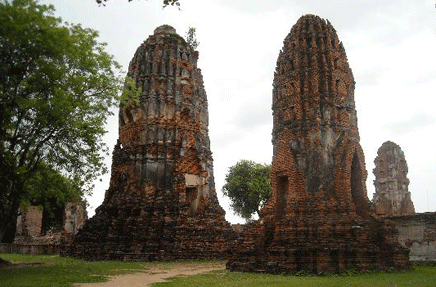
x: 165, y: 2
x: 51, y: 190
x: 248, y: 187
x: 57, y: 88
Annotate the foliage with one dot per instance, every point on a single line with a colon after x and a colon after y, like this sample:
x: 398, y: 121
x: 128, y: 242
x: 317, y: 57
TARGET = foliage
x: 57, y: 88
x: 191, y: 38
x: 51, y: 190
x: 165, y: 2
x: 131, y: 94
x: 61, y: 271
x: 248, y: 187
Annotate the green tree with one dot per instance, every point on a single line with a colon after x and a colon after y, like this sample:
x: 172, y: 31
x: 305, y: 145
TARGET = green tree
x: 51, y: 190
x: 248, y: 186
x: 58, y: 85
x: 165, y: 2
x: 191, y: 38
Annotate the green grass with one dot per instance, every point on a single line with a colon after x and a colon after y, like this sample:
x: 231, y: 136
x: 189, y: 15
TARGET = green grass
x: 419, y: 276
x: 62, y: 271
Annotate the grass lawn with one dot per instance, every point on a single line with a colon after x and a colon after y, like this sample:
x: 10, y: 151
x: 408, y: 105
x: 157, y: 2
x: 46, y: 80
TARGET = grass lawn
x: 60, y: 271
x: 419, y: 276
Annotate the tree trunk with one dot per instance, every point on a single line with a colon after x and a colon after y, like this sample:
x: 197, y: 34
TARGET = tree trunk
x: 10, y: 219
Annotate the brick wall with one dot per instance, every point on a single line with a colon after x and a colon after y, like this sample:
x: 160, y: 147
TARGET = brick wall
x: 29, y: 224
x: 418, y: 233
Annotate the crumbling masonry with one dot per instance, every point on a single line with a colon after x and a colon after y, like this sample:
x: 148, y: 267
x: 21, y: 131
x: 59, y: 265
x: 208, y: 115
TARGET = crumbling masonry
x: 161, y: 203
x: 29, y: 224
x: 30, y: 221
x: 391, y: 197
x: 319, y: 218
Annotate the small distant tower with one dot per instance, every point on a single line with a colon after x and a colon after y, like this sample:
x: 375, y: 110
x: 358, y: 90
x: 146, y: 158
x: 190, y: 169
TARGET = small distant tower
x: 392, y: 196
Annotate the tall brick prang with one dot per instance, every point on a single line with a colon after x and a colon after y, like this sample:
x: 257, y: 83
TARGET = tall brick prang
x: 161, y: 203
x: 319, y: 218
x: 392, y: 196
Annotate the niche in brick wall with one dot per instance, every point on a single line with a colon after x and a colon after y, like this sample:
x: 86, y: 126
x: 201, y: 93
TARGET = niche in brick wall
x: 194, y: 191
x: 357, y: 190
x: 191, y: 196
x: 282, y: 182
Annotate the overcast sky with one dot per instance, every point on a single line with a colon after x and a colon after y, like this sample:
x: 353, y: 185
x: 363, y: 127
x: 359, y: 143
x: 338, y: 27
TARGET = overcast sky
x: 391, y: 48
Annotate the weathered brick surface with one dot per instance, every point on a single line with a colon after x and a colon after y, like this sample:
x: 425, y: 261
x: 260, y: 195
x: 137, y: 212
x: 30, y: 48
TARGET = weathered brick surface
x: 392, y: 196
x: 161, y: 203
x: 319, y: 217
x: 418, y: 232
x: 75, y: 217
x: 29, y: 224
x: 30, y: 221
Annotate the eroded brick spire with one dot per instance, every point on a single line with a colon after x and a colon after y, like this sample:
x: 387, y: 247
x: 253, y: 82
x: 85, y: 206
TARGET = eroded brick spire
x: 319, y: 218
x: 161, y: 203
x: 313, y: 101
x: 392, y: 196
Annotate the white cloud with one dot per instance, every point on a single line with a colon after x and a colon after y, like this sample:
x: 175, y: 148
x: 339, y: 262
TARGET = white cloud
x: 390, y: 47
x: 411, y: 124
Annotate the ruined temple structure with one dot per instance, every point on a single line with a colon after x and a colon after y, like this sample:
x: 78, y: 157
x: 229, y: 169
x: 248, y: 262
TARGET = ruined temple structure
x: 161, y: 203
x: 418, y: 233
x: 29, y: 224
x: 391, y: 196
x: 319, y: 218
x: 75, y: 217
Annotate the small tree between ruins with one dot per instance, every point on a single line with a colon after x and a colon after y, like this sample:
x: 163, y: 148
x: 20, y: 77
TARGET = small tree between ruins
x: 248, y: 187
x: 191, y: 38
x: 57, y: 88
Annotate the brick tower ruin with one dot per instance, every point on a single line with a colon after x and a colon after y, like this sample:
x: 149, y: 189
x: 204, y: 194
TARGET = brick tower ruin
x: 161, y: 203
x: 319, y: 218
x: 392, y: 196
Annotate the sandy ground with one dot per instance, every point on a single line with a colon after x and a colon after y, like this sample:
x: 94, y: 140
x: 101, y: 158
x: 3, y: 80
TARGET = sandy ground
x: 154, y: 275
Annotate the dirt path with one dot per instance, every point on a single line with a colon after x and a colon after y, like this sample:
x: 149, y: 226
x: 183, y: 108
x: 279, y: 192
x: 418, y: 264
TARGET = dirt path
x: 154, y: 275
